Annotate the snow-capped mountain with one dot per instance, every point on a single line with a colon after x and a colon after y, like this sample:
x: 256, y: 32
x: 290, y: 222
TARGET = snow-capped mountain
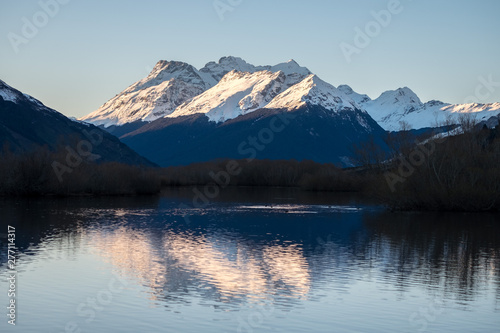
x: 232, y: 87
x: 290, y: 67
x: 236, y: 94
x: 228, y: 64
x: 322, y: 123
x: 312, y: 90
x: 393, y: 104
x: 239, y: 93
x: 360, y: 99
x: 171, y: 83
x: 10, y: 94
x: 393, y: 107
x: 27, y: 124
x: 433, y: 114
x: 225, y: 65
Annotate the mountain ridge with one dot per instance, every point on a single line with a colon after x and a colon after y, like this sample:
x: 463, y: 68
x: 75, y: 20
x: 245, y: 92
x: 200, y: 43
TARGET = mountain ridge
x: 395, y: 107
x: 172, y: 85
x: 26, y: 125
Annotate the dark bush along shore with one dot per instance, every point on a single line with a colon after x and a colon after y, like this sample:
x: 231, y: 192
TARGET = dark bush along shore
x: 460, y: 172
x: 45, y: 173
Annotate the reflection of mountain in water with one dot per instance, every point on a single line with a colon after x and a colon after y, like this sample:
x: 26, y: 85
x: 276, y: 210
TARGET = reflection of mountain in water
x: 244, y: 253
x: 219, y: 265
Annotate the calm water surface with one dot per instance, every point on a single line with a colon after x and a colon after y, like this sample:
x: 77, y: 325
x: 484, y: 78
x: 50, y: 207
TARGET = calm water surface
x: 250, y: 261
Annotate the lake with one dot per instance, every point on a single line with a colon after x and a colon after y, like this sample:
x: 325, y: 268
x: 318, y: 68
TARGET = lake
x: 250, y: 260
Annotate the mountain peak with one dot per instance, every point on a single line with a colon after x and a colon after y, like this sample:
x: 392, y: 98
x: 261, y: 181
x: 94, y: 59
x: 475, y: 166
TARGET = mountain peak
x: 226, y: 64
x: 172, y: 83
x: 167, y: 86
x: 170, y: 65
x: 313, y: 91
x: 166, y: 70
x: 8, y: 93
x: 291, y: 67
x: 345, y: 89
x: 232, y: 59
x: 400, y: 96
x: 360, y: 99
x: 391, y: 105
x: 405, y: 91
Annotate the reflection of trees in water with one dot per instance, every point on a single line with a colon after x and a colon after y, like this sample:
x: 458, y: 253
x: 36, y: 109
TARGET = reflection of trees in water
x: 37, y: 218
x: 459, y: 253
x: 43, y: 229
x: 219, y: 258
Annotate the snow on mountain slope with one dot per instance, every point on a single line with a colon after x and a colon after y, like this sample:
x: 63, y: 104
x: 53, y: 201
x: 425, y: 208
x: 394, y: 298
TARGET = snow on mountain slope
x: 290, y: 67
x: 169, y: 84
x: 402, y: 105
x: 226, y: 64
x: 392, y: 105
x: 237, y: 93
x: 324, y: 125
x: 439, y: 114
x: 358, y: 98
x: 10, y: 94
x: 172, y: 83
x: 312, y: 90
x: 240, y: 93
x: 166, y: 70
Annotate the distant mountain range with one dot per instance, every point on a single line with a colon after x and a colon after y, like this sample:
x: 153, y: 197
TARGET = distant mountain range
x: 171, y: 83
x: 394, y: 106
x: 179, y: 114
x: 26, y: 124
x: 310, y: 120
x: 231, y: 109
x: 176, y: 88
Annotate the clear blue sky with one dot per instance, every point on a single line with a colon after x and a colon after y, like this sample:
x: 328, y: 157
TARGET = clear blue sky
x: 91, y: 50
